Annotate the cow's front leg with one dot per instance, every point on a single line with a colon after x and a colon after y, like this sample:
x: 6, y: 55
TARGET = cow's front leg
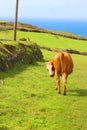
x: 64, y: 76
x: 58, y: 83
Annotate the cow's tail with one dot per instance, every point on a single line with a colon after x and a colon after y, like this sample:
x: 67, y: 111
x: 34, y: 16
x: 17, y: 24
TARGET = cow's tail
x: 62, y: 56
x: 61, y: 62
x: 66, y: 63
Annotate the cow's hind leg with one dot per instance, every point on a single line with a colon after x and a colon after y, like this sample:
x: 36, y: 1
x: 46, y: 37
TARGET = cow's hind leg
x: 64, y: 76
x: 58, y: 83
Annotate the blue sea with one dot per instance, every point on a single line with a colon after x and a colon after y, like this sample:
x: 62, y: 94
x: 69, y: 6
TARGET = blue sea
x: 78, y: 27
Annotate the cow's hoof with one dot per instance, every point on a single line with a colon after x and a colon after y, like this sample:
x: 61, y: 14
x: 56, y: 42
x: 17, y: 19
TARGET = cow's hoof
x: 59, y: 92
x: 56, y: 88
x: 64, y: 94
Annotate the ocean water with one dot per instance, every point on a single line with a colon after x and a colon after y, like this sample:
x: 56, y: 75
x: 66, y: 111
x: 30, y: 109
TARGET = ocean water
x: 76, y: 27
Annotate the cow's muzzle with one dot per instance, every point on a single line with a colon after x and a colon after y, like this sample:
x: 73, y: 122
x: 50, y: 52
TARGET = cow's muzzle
x: 51, y: 75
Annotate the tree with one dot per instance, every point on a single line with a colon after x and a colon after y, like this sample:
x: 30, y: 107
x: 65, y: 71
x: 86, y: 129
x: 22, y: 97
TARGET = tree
x: 15, y: 20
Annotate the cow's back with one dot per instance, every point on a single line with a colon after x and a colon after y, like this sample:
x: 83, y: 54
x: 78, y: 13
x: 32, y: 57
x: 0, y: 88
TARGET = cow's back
x: 63, y: 62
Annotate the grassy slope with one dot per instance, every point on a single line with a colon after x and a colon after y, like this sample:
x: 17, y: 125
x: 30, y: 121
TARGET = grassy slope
x: 28, y: 100
x: 48, y: 40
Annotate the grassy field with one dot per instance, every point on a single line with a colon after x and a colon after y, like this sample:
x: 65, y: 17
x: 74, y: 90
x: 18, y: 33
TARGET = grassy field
x: 28, y: 100
x: 47, y: 40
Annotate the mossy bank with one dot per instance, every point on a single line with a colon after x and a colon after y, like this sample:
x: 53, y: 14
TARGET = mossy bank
x: 17, y: 52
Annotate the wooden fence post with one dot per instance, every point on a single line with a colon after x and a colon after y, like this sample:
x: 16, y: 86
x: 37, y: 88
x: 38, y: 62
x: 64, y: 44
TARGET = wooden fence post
x: 15, y: 20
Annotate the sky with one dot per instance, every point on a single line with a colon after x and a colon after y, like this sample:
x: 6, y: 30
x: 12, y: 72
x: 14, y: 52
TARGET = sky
x: 45, y: 9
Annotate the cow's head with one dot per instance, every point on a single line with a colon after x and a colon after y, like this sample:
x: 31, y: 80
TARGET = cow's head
x: 50, y: 68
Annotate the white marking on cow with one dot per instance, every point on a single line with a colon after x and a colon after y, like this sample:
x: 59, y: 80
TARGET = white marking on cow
x: 50, y: 69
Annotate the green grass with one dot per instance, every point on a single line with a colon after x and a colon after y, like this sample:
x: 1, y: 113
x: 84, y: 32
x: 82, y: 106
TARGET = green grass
x: 48, y: 40
x: 29, y: 101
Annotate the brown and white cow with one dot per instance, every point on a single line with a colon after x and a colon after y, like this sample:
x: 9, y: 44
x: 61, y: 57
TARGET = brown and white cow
x: 61, y: 65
